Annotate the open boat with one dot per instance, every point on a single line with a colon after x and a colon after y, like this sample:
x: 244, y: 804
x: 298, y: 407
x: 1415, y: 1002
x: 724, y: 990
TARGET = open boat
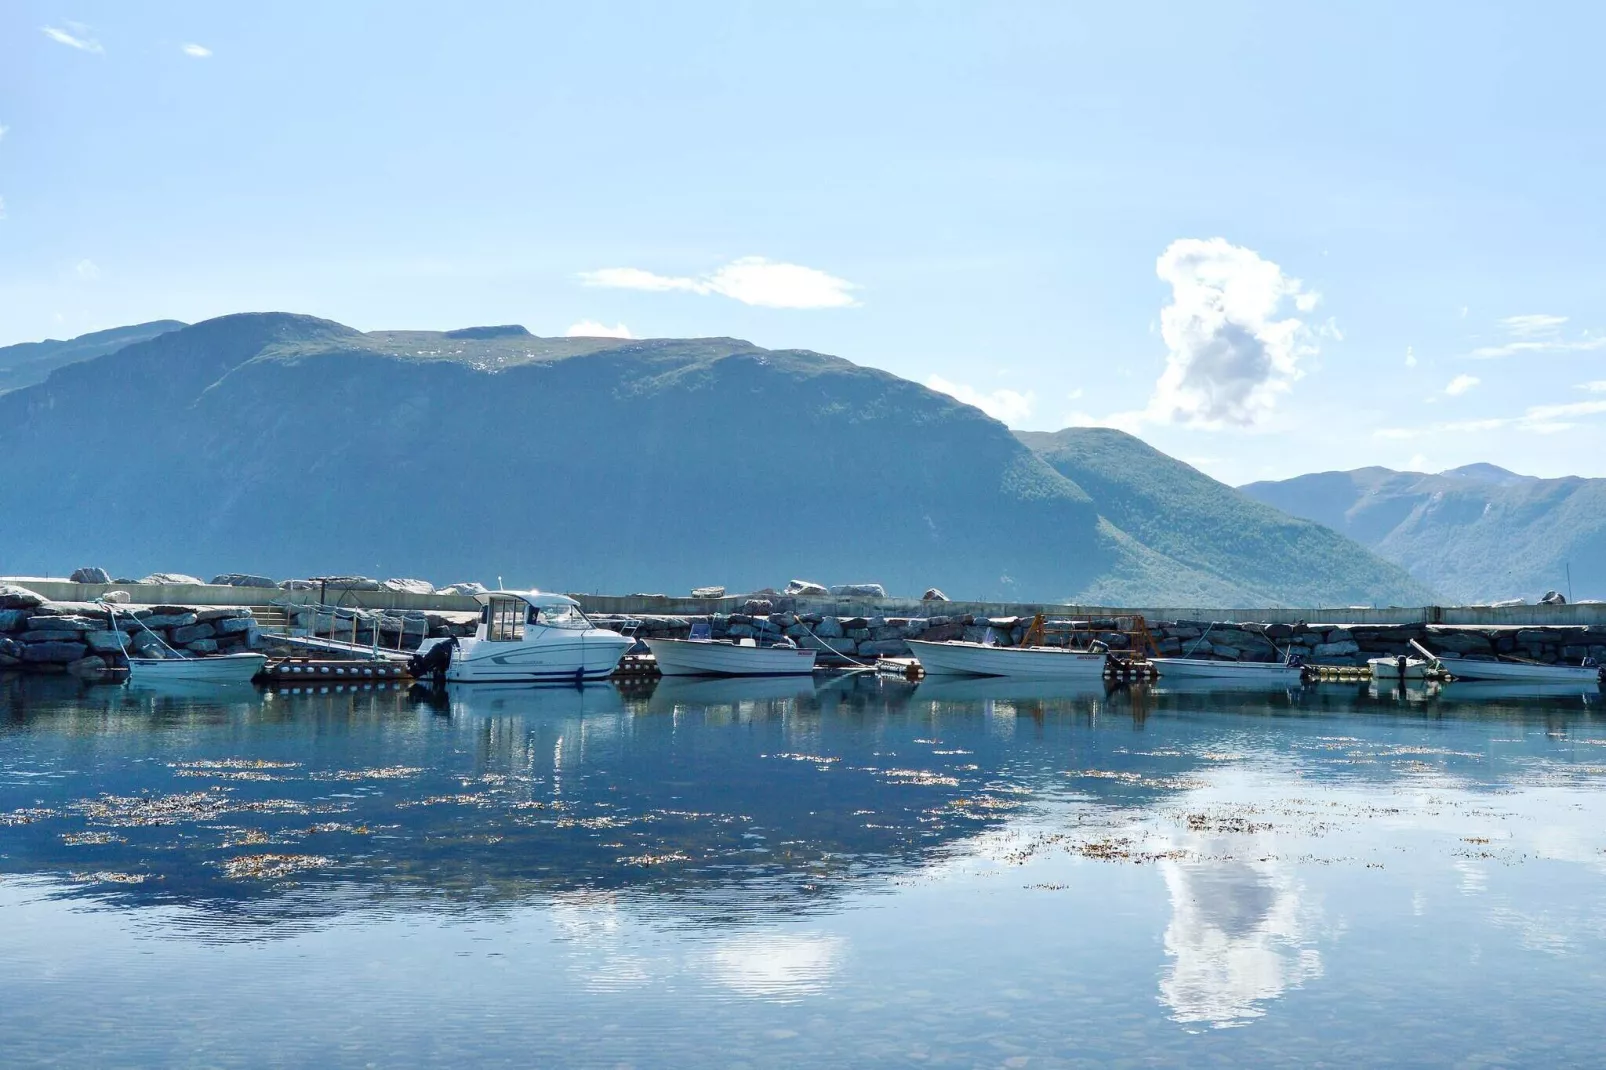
x: 1270, y: 673
x: 525, y: 637
x: 725, y: 657
x: 1466, y: 668
x: 210, y: 669
x: 957, y: 658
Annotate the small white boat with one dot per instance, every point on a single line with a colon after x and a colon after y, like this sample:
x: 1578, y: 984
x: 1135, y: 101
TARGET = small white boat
x: 958, y: 658
x: 725, y: 657
x: 211, y: 669
x: 1398, y: 668
x: 525, y: 637
x: 1466, y: 668
x: 1280, y: 673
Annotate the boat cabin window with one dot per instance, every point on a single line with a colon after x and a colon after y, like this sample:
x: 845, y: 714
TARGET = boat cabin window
x: 504, y: 620
x: 560, y: 617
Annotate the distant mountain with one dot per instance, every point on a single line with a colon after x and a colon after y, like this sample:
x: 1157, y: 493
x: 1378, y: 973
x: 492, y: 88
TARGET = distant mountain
x: 28, y: 363
x: 1477, y: 533
x: 1208, y: 527
x: 286, y: 444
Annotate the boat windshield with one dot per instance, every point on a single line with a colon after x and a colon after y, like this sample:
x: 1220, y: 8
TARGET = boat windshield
x: 560, y: 617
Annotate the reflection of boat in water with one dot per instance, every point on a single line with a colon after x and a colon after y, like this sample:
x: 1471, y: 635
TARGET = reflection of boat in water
x: 673, y: 691
x: 538, y: 700
x: 1262, y: 674
x: 717, y: 657
x: 1486, y: 690
x: 1206, y: 685
x: 1005, y: 688
x: 181, y: 687
x: 524, y: 636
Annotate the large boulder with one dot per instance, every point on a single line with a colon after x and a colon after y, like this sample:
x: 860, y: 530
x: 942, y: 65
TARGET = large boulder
x: 409, y: 586
x: 1553, y: 598
x: 859, y: 590
x: 106, y: 642
x: 806, y: 587
x: 202, y: 646
x: 90, y: 575
x: 14, y: 597
x: 244, y: 579
x: 119, y: 598
x: 933, y: 595
x: 170, y: 578
x: 54, y: 653
x: 1344, y: 648
x: 465, y: 588
x: 12, y: 619
x: 708, y: 592
x: 178, y: 619
x: 297, y: 585
x: 66, y: 623
x: 350, y: 583
x: 235, y: 625
x: 89, y: 667
x: 213, y: 614
x: 189, y: 634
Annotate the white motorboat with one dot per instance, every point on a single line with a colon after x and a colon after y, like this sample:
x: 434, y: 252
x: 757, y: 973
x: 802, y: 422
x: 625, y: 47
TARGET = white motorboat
x: 1398, y: 668
x: 525, y: 637
x: 211, y: 669
x: 959, y: 658
x: 725, y: 657
x: 1270, y: 673
x: 1469, y: 668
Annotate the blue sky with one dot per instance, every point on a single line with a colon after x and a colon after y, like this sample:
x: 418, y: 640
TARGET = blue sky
x: 1267, y: 238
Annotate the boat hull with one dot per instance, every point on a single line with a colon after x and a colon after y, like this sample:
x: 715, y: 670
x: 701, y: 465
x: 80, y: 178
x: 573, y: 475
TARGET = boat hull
x: 1389, y: 669
x: 577, y: 657
x: 1270, y: 672
x: 977, y: 659
x: 218, y: 669
x: 707, y: 657
x: 1472, y: 669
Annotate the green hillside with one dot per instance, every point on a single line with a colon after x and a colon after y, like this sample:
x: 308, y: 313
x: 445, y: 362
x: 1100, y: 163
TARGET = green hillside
x: 286, y: 444
x: 1195, y: 522
x: 1477, y: 534
x: 28, y: 363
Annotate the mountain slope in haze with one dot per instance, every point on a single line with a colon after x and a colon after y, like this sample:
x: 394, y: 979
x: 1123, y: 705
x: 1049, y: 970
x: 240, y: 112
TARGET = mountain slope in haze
x: 1207, y: 526
x: 28, y: 363
x: 1476, y: 534
x: 286, y: 444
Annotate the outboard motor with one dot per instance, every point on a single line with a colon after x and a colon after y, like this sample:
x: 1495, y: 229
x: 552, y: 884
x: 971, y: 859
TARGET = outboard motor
x: 434, y: 661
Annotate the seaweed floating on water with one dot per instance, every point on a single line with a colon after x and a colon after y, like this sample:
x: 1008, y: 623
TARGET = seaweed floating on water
x: 86, y: 839
x: 273, y: 866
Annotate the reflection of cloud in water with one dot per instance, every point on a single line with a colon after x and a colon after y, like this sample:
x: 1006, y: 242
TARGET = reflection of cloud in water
x: 593, y: 926
x: 1235, y: 938
x: 777, y: 965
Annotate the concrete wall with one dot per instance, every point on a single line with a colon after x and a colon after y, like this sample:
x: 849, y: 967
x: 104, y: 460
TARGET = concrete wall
x: 207, y: 594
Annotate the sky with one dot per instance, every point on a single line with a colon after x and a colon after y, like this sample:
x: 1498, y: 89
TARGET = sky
x: 1266, y: 238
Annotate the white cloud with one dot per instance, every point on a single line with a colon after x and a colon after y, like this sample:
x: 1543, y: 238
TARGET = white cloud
x: 1461, y: 384
x: 1005, y: 406
x: 1596, y: 386
x: 1538, y: 333
x: 752, y: 280
x: 3, y: 130
x: 87, y: 270
x: 82, y: 42
x: 1538, y: 419
x: 197, y: 51
x: 594, y: 329
x: 1229, y: 357
x: 1533, y: 326
x: 1410, y: 357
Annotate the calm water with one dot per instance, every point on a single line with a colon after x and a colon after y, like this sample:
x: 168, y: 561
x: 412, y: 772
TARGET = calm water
x: 773, y: 873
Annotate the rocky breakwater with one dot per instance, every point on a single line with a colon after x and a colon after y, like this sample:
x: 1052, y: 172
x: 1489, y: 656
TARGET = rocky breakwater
x: 394, y: 629
x: 88, y: 640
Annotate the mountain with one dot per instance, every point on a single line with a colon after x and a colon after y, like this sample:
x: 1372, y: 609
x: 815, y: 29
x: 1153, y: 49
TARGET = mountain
x: 1210, y: 528
x: 1476, y: 534
x: 30, y: 362
x: 285, y: 444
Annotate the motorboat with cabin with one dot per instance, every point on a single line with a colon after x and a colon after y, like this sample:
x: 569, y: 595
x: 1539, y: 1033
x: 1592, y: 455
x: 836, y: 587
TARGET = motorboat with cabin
x: 524, y: 637
x: 702, y: 655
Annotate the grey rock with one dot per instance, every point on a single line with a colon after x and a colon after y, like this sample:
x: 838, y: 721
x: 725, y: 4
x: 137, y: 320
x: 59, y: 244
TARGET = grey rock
x: 53, y: 653
x: 182, y: 636
x: 88, y: 667
x: 1553, y: 598
x: 121, y: 598
x: 463, y: 589
x: 49, y: 635
x: 1221, y: 650
x: 890, y: 648
x: 170, y: 578
x: 14, y: 597
x: 807, y: 587
x: 1343, y: 648
x: 943, y: 633
x: 758, y: 607
x: 169, y: 620
x: 409, y: 586
x: 933, y: 595
x: 67, y: 623
x: 349, y: 583
x: 297, y: 585
x: 143, y: 642
x: 244, y: 579
x: 858, y: 590
x: 10, y: 648
x: 829, y: 628
x: 217, y: 613
x: 202, y: 646
x: 241, y: 625
x: 13, y: 619
x: 106, y: 642
x: 708, y: 592
x: 90, y: 575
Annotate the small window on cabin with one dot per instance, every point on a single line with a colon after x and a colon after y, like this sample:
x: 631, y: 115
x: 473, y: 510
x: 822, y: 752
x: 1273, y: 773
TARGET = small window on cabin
x: 505, y: 620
